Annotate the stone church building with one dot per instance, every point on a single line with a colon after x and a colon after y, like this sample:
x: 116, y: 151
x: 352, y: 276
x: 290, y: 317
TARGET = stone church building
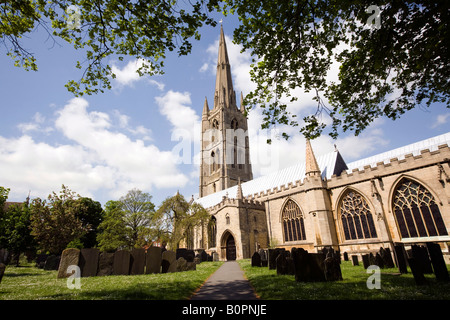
x: 398, y: 196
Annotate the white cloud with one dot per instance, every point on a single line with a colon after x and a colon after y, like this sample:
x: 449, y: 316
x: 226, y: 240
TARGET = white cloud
x: 204, y: 67
x: 128, y: 75
x: 97, y: 158
x: 36, y: 125
x: 440, y: 120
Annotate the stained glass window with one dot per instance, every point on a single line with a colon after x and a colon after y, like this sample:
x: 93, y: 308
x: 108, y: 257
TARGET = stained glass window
x: 416, y: 211
x: 357, y: 221
x: 293, y: 225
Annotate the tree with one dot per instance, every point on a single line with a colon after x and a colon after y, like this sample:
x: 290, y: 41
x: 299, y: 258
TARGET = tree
x: 175, y: 218
x: 144, y: 29
x: 138, y: 212
x: 90, y: 215
x: 56, y: 223
x: 4, y: 192
x: 387, y: 68
x: 15, y: 231
x: 112, y: 230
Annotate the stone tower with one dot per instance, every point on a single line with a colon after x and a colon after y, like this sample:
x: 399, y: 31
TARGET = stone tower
x: 225, y: 155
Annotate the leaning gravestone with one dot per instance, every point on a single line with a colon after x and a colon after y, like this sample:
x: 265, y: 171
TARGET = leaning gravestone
x: 332, y: 268
x: 137, y: 261
x: 105, y: 264
x: 89, y: 262
x: 121, y: 264
x: 416, y: 269
x: 366, y: 260
x: 379, y: 261
x: 273, y: 254
x: 400, y: 257
x: 2, y: 271
x: 256, y: 260
x: 263, y: 254
x: 52, y: 262
x: 355, y: 261
x: 437, y: 259
x: 153, y: 260
x: 168, y: 263
x: 420, y: 254
x: 345, y: 256
x: 69, y: 257
x: 385, y: 254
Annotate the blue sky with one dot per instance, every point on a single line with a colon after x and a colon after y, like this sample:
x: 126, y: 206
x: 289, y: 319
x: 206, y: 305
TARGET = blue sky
x: 103, y: 145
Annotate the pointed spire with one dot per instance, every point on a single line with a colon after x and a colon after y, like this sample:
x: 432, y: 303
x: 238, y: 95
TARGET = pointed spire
x: 312, y: 168
x: 224, y: 94
x: 239, y: 194
x: 205, y: 107
x: 242, y: 103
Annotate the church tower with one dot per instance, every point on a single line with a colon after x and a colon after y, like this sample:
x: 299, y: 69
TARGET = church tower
x: 225, y: 156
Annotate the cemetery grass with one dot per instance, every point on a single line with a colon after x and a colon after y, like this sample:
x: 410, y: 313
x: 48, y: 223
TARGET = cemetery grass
x: 30, y: 283
x: 270, y: 286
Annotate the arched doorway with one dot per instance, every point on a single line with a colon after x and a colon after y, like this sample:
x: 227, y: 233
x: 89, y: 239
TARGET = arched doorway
x: 230, y: 248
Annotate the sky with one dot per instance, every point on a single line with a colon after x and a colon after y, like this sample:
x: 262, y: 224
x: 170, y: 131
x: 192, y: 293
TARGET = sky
x: 144, y: 133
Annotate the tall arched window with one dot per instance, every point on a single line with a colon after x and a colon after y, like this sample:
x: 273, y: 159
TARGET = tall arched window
x: 212, y: 232
x: 357, y: 221
x: 416, y: 211
x: 293, y: 225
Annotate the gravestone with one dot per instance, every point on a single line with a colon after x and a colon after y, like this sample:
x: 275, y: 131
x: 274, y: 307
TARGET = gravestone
x: 40, y: 260
x: 420, y: 254
x: 355, y: 261
x: 137, y: 261
x: 2, y: 271
x: 437, y: 259
x: 385, y: 254
x: 285, y: 264
x: 366, y: 260
x: 153, y: 260
x: 379, y: 261
x: 188, y: 255
x: 197, y: 260
x: 105, y: 264
x: 181, y: 264
x: 371, y: 259
x: 263, y: 254
x: 121, y: 264
x: 400, y: 258
x: 215, y: 256
x: 203, y: 256
x: 309, y: 267
x: 89, y: 262
x: 332, y: 268
x: 416, y: 269
x: 191, y: 266
x: 168, y: 263
x: 52, y: 262
x: 273, y: 254
x: 345, y: 256
x: 256, y: 260
x: 69, y: 257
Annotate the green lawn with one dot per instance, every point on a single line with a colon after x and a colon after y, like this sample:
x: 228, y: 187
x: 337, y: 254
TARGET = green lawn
x: 31, y: 283
x: 269, y: 286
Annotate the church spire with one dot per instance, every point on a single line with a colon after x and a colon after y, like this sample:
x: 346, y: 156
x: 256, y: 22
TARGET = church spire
x: 224, y: 94
x: 312, y: 168
x: 205, y: 108
x: 239, y: 194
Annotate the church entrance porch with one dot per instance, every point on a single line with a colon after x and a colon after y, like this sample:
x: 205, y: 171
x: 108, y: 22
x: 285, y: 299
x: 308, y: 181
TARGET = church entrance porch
x: 228, y: 246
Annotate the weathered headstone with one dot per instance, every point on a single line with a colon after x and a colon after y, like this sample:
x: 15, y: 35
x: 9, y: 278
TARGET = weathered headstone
x: 420, y: 254
x: 385, y: 254
x: 188, y: 255
x: 379, y: 261
x: 89, y: 262
x: 69, y: 257
x: 121, y: 262
x: 309, y: 267
x: 355, y: 260
x: 215, y: 256
x: 137, y: 261
x: 105, y: 264
x: 181, y: 264
x: 263, y: 254
x: 197, y: 260
x: 203, y: 256
x: 191, y: 266
x: 345, y: 256
x: 366, y: 260
x: 400, y: 258
x: 2, y: 271
x: 40, y: 260
x: 168, y: 263
x: 153, y: 260
x: 416, y: 269
x: 256, y: 260
x: 273, y: 254
x: 52, y: 262
x: 332, y: 268
x: 437, y: 259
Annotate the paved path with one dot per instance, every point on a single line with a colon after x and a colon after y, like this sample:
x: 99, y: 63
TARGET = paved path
x: 227, y: 283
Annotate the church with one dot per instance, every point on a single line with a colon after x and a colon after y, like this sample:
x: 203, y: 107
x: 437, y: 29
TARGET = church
x: 401, y: 196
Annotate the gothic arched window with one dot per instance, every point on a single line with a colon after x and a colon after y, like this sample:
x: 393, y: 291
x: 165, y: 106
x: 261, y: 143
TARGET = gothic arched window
x: 293, y: 225
x: 227, y: 218
x: 357, y: 221
x: 416, y: 211
x: 212, y: 232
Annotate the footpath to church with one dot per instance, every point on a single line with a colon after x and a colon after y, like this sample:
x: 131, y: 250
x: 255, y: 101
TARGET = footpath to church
x: 227, y: 283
